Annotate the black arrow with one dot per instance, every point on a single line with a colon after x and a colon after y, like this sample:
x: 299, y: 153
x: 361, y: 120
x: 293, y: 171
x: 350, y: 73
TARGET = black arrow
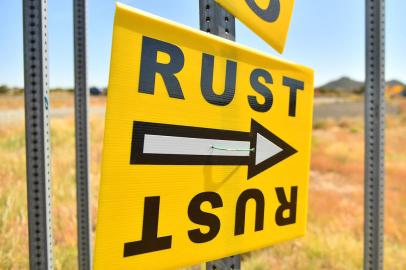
x: 164, y: 144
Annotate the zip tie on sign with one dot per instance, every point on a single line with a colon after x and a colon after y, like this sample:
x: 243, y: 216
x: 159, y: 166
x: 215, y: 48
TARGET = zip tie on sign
x: 232, y: 149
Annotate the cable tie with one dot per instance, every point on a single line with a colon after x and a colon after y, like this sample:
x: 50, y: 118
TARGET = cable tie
x: 232, y: 149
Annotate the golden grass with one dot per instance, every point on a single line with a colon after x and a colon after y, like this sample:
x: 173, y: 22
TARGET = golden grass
x: 335, y: 230
x: 13, y: 216
x: 58, y: 100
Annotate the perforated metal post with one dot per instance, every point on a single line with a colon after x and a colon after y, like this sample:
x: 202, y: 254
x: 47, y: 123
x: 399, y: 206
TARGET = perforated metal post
x: 37, y: 134
x: 215, y: 20
x: 82, y: 138
x: 374, y: 134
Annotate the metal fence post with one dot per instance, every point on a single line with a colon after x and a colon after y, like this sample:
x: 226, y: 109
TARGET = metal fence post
x: 374, y: 134
x: 82, y: 138
x: 37, y: 133
x: 215, y: 20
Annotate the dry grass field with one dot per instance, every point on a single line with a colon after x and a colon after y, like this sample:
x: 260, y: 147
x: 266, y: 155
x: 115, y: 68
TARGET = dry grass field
x: 335, y: 229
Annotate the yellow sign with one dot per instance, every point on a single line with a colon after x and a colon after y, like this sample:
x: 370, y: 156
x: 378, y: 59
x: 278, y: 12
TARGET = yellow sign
x: 206, y: 148
x: 270, y: 19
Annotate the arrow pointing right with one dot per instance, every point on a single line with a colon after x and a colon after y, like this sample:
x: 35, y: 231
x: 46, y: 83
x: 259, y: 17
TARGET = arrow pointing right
x: 269, y: 149
x: 164, y: 144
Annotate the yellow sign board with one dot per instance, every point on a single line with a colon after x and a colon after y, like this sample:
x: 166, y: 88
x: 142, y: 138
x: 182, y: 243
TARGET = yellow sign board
x: 206, y: 148
x: 269, y: 19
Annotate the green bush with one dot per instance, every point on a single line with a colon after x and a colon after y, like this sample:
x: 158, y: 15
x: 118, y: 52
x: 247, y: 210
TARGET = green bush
x: 3, y: 89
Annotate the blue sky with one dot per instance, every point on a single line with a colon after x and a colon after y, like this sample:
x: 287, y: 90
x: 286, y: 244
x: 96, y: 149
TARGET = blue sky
x: 325, y: 35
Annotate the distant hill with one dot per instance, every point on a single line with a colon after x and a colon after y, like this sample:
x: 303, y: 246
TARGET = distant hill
x: 343, y: 84
x: 348, y: 85
x: 393, y: 83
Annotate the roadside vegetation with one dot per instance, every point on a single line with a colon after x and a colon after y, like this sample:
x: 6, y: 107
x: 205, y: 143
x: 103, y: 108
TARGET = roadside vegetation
x: 335, y: 221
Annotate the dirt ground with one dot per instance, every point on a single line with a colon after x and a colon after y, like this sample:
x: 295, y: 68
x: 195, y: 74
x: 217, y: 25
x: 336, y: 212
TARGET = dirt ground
x: 12, y: 107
